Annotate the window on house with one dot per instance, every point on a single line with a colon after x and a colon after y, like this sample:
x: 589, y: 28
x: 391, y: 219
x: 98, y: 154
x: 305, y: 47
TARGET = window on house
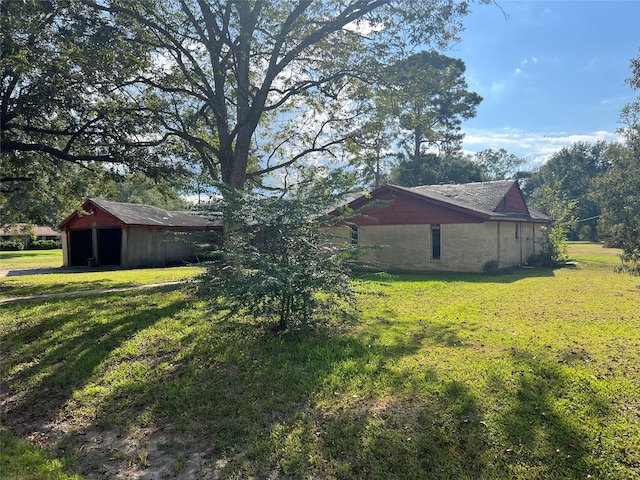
x: 435, y: 242
x: 517, y: 230
x: 354, y: 235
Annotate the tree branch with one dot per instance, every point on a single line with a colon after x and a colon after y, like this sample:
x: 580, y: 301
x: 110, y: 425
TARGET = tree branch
x: 13, y: 146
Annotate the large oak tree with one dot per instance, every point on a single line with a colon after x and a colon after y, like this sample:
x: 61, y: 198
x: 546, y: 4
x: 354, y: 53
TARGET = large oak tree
x: 252, y: 87
x: 69, y: 85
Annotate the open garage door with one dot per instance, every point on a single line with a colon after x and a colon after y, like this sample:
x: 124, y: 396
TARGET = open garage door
x: 109, y: 246
x: 80, y: 247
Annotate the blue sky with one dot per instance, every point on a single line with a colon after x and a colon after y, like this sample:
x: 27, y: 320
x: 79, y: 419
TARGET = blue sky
x: 551, y: 73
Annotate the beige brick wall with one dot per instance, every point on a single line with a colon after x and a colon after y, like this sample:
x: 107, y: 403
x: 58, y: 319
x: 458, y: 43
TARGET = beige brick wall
x: 464, y: 247
x: 510, y: 254
x: 538, y: 235
x: 402, y: 247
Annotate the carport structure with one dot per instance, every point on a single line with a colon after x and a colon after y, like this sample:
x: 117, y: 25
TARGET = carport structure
x: 132, y: 235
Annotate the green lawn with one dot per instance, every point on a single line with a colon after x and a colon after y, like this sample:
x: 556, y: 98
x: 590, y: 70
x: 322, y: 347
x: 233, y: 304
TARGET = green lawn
x: 30, y: 259
x: 531, y: 375
x: 28, y: 285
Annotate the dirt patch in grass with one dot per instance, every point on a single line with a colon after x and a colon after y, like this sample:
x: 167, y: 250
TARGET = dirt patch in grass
x: 156, y: 453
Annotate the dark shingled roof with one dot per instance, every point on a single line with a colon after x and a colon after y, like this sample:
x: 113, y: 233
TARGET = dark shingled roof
x: 479, y: 197
x: 138, y: 214
x: 486, y: 195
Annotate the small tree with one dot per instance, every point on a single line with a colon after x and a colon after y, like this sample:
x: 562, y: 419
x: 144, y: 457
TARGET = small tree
x: 277, y: 260
x: 555, y: 204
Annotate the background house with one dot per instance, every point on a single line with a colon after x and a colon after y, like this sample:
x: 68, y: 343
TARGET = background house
x: 28, y: 233
x: 464, y: 227
x: 132, y: 235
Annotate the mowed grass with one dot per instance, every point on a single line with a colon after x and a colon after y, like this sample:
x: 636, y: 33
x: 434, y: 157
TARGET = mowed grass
x: 530, y: 375
x: 30, y: 285
x: 30, y: 259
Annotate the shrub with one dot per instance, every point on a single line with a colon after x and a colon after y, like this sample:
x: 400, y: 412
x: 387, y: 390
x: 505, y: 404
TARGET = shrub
x: 277, y: 260
x: 44, y: 245
x: 542, y: 260
x: 613, y: 242
x: 12, y: 245
x: 630, y: 260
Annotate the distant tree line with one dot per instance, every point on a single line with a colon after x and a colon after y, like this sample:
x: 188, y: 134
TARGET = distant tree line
x: 599, y: 183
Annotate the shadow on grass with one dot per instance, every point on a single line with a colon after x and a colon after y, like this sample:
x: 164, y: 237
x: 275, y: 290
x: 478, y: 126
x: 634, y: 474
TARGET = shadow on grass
x: 505, y: 277
x: 547, y: 441
x: 303, y: 405
x: 21, y: 272
x: 9, y: 291
x: 45, y: 363
x: 320, y: 403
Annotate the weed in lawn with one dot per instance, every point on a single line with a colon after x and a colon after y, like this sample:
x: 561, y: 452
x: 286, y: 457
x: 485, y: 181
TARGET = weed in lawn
x: 180, y: 463
x: 143, y: 458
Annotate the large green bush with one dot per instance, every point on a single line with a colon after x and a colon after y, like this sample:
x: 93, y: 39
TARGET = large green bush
x: 44, y: 245
x: 11, y: 245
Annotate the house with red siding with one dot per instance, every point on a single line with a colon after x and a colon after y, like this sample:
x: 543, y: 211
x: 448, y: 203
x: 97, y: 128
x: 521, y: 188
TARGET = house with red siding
x: 462, y: 228
x: 132, y: 235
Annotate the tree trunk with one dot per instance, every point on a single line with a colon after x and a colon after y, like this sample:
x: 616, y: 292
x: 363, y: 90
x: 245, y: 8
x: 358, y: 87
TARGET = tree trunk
x: 416, y: 143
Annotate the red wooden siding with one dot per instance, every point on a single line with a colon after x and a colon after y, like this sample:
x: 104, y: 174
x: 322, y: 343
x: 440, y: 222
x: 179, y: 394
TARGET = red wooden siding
x: 407, y: 210
x: 513, y: 201
x: 100, y: 217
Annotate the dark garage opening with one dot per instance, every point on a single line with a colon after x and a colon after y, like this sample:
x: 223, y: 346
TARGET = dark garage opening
x: 80, y: 248
x: 109, y: 246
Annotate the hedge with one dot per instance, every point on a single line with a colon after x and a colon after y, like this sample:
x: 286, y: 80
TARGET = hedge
x: 44, y: 245
x: 11, y: 245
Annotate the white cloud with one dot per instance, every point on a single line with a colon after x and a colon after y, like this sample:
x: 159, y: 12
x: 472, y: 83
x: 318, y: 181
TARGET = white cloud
x: 616, y: 102
x: 507, y: 84
x: 525, y: 62
x: 535, y: 147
